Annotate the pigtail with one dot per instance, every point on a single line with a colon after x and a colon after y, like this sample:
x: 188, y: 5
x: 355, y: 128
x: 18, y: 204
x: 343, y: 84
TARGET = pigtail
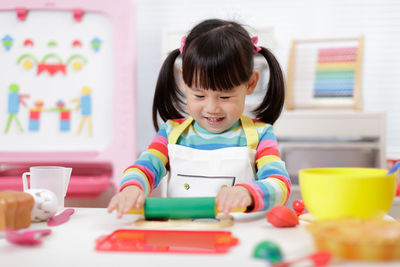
x: 271, y: 107
x: 167, y: 100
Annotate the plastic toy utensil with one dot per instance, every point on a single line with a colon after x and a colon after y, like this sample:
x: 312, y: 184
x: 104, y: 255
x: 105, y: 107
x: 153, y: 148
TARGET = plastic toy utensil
x: 167, y: 241
x: 268, y: 251
x: 319, y: 259
x: 282, y: 216
x: 394, y: 168
x: 29, y: 238
x: 179, y: 208
x: 61, y: 218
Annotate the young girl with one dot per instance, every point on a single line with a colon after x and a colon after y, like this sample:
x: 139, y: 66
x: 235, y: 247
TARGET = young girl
x: 216, y: 150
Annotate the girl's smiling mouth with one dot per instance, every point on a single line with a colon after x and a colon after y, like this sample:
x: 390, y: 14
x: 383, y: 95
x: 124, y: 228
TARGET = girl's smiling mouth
x: 214, y: 120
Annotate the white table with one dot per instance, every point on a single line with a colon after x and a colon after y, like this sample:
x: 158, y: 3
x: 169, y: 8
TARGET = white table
x: 73, y: 244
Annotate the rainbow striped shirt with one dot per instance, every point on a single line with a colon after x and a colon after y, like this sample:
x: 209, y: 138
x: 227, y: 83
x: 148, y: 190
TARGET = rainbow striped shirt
x: 271, y: 187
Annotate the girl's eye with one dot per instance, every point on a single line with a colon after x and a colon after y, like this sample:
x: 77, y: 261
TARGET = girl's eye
x: 199, y: 96
x: 224, y: 97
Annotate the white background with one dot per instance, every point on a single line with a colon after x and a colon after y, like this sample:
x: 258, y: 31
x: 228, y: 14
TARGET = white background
x: 377, y: 20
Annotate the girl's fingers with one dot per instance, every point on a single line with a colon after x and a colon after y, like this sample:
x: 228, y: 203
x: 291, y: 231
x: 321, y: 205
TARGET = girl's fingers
x: 221, y: 200
x: 131, y: 196
x: 235, y: 201
x: 246, y: 201
x: 140, y: 201
x: 230, y: 198
x: 120, y: 207
x: 111, y: 205
x: 134, y: 201
x: 128, y: 202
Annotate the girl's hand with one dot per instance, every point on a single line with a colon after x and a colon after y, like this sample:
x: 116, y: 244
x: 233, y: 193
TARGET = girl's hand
x: 130, y: 196
x: 230, y: 198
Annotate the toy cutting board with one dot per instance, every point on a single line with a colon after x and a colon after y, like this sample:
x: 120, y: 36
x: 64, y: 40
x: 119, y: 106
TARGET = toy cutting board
x: 167, y: 241
x: 219, y: 222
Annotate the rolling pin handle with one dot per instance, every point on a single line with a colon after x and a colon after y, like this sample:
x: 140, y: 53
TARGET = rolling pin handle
x: 139, y: 211
x: 239, y: 209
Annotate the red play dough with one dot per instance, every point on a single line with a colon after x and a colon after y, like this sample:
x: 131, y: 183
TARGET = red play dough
x: 282, y: 216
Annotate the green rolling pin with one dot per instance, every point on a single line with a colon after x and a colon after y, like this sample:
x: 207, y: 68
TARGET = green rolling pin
x: 179, y: 208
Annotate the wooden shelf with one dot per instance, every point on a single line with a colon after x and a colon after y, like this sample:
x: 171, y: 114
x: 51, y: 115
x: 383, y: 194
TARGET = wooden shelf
x: 332, y: 130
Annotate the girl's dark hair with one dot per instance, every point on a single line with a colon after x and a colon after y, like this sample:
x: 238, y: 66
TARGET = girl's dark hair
x: 217, y: 55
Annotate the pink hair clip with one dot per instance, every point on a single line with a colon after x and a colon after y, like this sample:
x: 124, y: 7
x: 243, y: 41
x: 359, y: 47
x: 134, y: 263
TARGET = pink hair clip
x: 256, y: 48
x: 183, y: 40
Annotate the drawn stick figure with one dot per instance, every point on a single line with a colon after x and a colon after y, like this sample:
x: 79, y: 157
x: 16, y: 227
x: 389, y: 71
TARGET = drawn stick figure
x: 85, y: 105
x: 34, y: 115
x: 65, y: 116
x: 14, y: 99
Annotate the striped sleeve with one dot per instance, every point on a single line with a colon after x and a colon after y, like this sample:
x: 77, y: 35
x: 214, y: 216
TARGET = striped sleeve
x: 272, y: 185
x: 148, y: 170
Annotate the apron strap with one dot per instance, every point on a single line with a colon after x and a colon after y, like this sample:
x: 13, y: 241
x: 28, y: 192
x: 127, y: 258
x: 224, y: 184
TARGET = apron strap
x: 248, y: 126
x: 178, y: 130
x: 250, y: 131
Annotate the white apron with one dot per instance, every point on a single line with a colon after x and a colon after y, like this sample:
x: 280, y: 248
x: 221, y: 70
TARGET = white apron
x: 202, y: 173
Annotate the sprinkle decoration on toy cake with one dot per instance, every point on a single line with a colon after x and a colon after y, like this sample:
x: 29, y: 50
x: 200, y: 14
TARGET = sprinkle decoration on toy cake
x: 15, y: 209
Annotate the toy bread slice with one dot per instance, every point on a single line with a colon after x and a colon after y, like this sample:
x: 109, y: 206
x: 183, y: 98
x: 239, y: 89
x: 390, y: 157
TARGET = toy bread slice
x: 8, y: 203
x: 15, y: 209
x: 24, y: 209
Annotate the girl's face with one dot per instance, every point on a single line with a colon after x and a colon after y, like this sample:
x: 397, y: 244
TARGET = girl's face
x: 217, y: 111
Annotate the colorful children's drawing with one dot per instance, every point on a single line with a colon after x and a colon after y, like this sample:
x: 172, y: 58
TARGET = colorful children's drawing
x: 28, y: 61
x: 76, y: 43
x: 96, y: 43
x: 77, y: 62
x: 51, y: 68
x: 85, y: 105
x: 28, y: 42
x: 35, y: 113
x: 7, y: 42
x: 65, y: 116
x: 14, y: 99
x: 34, y: 116
x: 51, y: 44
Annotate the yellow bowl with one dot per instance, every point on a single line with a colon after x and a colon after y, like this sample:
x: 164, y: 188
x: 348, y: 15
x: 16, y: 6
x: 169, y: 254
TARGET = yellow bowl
x: 332, y: 193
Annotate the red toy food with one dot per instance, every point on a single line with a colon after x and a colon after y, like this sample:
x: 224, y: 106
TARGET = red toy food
x: 298, y: 206
x: 282, y: 216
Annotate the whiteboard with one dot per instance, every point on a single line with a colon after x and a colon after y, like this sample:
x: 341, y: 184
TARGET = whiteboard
x: 71, y: 63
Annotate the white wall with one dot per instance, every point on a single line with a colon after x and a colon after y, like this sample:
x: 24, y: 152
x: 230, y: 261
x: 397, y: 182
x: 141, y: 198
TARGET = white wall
x: 377, y: 20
